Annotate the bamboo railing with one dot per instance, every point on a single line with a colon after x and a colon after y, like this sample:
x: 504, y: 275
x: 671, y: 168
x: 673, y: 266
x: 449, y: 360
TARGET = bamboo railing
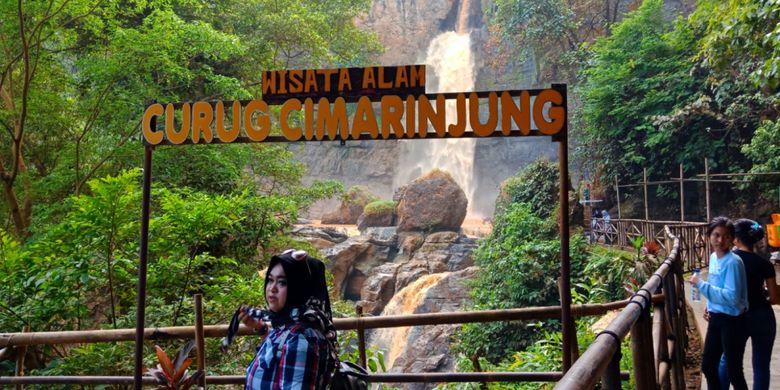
x: 658, y: 336
x: 667, y: 315
x: 693, y: 248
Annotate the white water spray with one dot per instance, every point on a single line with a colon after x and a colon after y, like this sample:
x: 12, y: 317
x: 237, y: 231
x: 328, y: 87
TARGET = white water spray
x: 449, y: 57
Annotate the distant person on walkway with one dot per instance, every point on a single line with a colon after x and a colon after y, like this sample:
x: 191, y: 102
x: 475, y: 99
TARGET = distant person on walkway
x: 726, y: 293
x: 761, y: 284
x: 594, y: 217
x: 607, y: 220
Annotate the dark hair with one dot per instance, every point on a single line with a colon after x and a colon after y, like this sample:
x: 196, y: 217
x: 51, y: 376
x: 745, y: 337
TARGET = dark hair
x: 305, y: 279
x: 718, y: 222
x: 748, y: 231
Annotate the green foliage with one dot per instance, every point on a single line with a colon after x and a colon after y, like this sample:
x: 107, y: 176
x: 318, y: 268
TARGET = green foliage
x: 641, y: 71
x: 379, y: 207
x: 359, y: 195
x: 518, y: 268
x: 536, y: 185
x: 742, y: 35
x: 764, y: 148
x: 544, y: 355
x: 105, y: 60
x: 80, y: 273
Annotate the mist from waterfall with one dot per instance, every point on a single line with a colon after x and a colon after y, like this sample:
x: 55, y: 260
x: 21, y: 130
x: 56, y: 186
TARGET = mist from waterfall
x: 449, y: 57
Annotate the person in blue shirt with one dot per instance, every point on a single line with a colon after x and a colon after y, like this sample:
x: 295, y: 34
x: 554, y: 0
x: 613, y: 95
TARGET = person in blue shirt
x: 727, y: 302
x: 762, y: 292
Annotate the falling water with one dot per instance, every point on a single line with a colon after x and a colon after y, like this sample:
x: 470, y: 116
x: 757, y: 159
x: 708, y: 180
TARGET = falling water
x: 406, y: 301
x: 449, y: 57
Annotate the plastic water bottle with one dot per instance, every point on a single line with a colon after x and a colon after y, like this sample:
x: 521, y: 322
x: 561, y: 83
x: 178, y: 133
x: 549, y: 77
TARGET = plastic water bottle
x: 695, y: 293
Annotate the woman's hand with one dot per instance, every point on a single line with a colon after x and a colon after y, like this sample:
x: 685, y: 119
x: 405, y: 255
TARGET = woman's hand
x: 693, y: 280
x: 257, y: 325
x: 706, y: 315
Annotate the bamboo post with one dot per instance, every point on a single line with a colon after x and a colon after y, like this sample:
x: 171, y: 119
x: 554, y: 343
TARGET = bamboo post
x: 361, y: 334
x: 682, y: 196
x: 20, y: 354
x: 642, y: 352
x: 678, y: 320
x: 707, y: 187
x: 610, y: 380
x: 660, y: 345
x: 199, y: 340
x: 644, y: 185
x: 617, y: 195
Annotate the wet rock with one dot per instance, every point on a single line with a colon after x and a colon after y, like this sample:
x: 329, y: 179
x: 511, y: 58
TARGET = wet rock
x: 425, y: 348
x: 378, y: 288
x: 353, y: 260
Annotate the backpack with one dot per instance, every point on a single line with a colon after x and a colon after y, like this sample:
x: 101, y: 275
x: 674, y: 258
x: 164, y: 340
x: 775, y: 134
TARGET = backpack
x: 349, y: 376
x: 338, y: 375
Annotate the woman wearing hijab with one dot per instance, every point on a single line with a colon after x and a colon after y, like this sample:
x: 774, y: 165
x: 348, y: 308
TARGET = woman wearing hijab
x: 296, y: 354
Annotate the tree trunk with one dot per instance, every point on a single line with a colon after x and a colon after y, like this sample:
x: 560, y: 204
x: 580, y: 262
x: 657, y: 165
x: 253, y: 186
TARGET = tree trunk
x: 19, y: 216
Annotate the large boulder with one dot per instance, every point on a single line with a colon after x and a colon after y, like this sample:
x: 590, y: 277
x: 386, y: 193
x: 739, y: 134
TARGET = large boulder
x: 351, y: 207
x: 378, y: 288
x: 432, y: 202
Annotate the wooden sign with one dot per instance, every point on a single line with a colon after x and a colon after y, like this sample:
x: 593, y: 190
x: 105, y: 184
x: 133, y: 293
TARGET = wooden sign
x: 281, y: 85
x: 390, y: 103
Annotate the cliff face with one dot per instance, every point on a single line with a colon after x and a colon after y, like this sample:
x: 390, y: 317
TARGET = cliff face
x: 406, y: 29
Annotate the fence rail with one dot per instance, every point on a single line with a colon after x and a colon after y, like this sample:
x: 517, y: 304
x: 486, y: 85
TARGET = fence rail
x: 662, y: 292
x: 693, y: 248
x: 658, y: 337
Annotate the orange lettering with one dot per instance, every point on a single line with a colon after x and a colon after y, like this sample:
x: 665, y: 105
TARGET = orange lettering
x: 152, y: 136
x: 291, y: 133
x: 264, y: 122
x: 489, y: 127
x: 556, y: 113
x: 511, y: 112
x: 392, y: 112
x: 177, y: 137
x: 202, y: 115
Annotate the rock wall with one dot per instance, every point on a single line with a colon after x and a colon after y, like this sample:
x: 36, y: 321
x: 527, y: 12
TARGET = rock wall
x: 389, y: 273
x: 405, y: 28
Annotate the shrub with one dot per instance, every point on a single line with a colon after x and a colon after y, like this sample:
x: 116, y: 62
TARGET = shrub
x: 536, y: 185
x: 379, y: 207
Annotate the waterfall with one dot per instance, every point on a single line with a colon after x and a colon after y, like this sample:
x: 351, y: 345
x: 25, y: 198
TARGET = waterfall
x: 449, y: 57
x: 406, y: 301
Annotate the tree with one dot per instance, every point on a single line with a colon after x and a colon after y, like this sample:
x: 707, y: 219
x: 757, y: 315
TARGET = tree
x: 638, y: 73
x: 76, y: 75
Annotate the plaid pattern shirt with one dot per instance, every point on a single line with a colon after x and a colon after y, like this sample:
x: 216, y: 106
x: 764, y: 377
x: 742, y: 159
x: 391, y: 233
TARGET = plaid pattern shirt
x: 295, y: 364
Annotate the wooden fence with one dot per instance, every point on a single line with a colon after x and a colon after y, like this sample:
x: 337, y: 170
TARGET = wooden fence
x: 664, y: 345
x: 658, y: 336
x: 694, y: 247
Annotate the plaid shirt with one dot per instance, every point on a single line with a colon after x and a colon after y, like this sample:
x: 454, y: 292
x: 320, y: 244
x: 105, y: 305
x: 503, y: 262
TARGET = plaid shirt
x: 296, y: 364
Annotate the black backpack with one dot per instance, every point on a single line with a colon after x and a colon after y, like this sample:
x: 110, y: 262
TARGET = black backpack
x: 349, y: 376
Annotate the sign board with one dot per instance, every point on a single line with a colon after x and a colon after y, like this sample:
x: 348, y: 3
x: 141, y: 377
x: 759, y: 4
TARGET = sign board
x: 390, y: 103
